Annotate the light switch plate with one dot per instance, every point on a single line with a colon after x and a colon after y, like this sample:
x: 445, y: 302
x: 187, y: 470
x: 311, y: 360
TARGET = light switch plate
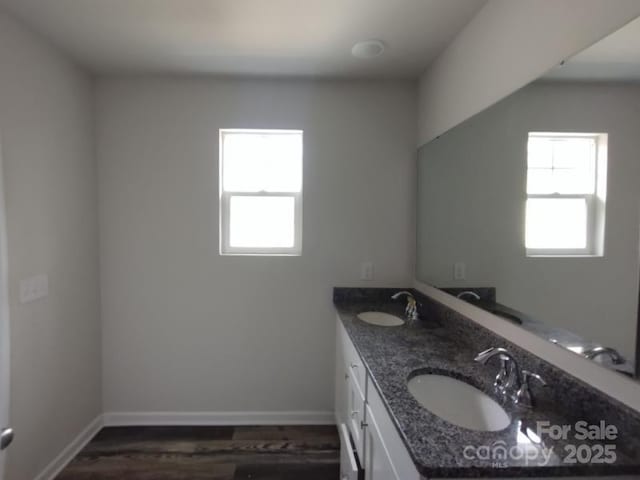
x: 459, y: 271
x: 367, y: 271
x: 33, y: 288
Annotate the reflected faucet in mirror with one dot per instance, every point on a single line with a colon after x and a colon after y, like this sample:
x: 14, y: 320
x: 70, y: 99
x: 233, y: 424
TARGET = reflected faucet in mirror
x: 612, y: 353
x: 468, y: 293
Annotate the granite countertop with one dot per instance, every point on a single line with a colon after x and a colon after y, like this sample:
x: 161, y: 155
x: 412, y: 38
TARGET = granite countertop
x: 392, y: 355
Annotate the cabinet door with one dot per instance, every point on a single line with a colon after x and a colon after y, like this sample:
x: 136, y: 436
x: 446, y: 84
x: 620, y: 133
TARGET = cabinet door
x: 348, y: 464
x: 342, y: 375
x: 356, y: 415
x: 378, y: 465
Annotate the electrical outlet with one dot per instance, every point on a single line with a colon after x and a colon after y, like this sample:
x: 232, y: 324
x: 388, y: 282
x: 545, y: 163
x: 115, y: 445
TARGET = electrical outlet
x: 367, y: 271
x: 459, y: 271
x: 33, y: 288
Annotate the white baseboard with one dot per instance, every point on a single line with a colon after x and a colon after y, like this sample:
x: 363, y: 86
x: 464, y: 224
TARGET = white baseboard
x: 112, y: 419
x: 71, y: 450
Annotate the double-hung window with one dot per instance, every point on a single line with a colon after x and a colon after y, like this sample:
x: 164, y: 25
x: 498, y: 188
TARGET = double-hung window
x: 260, y: 192
x: 566, y: 190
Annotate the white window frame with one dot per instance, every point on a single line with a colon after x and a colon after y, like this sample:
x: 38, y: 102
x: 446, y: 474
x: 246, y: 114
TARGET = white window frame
x: 225, y: 203
x: 595, y: 202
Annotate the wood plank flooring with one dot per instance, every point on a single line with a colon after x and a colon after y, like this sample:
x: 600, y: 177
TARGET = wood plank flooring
x: 208, y: 453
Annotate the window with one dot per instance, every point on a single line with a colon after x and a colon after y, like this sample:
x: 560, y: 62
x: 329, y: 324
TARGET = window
x: 566, y: 183
x: 260, y: 192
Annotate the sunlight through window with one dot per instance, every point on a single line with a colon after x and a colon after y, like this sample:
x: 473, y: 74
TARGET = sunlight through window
x: 261, y: 192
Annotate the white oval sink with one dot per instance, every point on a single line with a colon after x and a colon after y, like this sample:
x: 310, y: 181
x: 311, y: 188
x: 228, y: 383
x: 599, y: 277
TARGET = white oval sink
x: 458, y: 403
x: 381, y: 319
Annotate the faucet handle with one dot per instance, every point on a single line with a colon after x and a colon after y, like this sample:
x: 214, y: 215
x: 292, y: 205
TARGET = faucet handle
x: 412, y: 309
x: 411, y: 304
x: 526, y: 374
x: 523, y: 395
x: 483, y: 356
x: 503, y: 374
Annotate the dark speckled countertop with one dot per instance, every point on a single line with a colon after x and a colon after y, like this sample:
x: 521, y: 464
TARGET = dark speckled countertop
x: 392, y: 355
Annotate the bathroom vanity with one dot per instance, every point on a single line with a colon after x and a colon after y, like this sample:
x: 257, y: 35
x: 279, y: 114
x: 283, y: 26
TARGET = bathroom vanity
x: 388, y: 433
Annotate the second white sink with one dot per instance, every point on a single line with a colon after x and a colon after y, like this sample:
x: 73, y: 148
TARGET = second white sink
x: 458, y: 402
x: 380, y: 319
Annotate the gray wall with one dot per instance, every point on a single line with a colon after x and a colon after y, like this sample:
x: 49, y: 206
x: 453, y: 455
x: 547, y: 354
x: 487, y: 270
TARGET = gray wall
x: 50, y: 181
x: 186, y: 330
x: 471, y: 209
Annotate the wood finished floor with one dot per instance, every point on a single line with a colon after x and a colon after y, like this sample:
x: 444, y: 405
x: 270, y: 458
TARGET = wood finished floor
x: 211, y: 453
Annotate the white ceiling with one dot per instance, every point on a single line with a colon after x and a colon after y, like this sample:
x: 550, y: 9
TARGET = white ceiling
x: 248, y: 37
x: 616, y: 58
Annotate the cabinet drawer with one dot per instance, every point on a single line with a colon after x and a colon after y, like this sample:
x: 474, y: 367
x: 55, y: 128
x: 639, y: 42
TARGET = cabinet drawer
x: 352, y: 360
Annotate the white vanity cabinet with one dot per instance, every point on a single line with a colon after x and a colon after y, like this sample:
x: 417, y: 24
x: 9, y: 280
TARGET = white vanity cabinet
x: 365, y: 426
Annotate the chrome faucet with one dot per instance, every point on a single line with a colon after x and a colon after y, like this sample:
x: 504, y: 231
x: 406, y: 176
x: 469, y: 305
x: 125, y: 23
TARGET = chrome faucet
x: 469, y: 293
x: 411, y: 310
x: 523, y: 395
x: 508, y: 379
x: 511, y: 381
x: 615, y: 356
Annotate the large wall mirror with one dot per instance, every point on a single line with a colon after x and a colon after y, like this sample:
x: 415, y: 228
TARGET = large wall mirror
x: 531, y: 209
